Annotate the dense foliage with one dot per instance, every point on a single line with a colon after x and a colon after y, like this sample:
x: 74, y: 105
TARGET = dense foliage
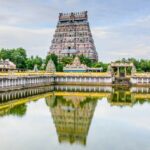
x: 19, y: 57
x: 19, y: 110
x: 142, y: 65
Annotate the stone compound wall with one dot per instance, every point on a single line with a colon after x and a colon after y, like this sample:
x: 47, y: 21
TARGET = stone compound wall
x: 83, y: 80
x: 9, y: 83
x: 140, y: 80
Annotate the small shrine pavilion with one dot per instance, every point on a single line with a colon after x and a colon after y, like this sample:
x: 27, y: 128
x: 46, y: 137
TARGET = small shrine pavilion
x: 122, y: 69
x: 6, y: 65
x: 50, y: 66
x: 76, y: 66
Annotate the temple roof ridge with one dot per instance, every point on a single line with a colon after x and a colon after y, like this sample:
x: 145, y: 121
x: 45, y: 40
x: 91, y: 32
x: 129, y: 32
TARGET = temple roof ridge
x: 75, y: 13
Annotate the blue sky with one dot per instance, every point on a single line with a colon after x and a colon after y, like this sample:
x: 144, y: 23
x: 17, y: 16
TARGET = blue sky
x: 120, y: 28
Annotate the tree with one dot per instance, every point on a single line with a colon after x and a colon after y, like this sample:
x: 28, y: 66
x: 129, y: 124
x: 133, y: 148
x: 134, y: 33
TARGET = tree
x: 19, y: 110
x: 85, y: 60
x: 60, y: 67
x: 100, y: 65
x: 67, y: 60
x: 53, y: 57
x: 30, y: 63
x: 18, y: 56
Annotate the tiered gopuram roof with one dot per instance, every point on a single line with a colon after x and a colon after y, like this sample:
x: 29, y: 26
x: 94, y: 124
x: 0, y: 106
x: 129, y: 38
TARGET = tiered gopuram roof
x: 73, y: 36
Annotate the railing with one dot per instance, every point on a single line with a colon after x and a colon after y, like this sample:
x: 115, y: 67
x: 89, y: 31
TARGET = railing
x: 145, y: 74
x: 43, y: 73
x: 82, y: 74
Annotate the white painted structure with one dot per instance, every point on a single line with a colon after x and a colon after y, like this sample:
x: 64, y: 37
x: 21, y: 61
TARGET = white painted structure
x: 140, y: 80
x: 30, y: 81
x: 140, y: 90
x: 83, y: 80
x: 33, y: 81
x: 84, y: 88
x: 16, y: 94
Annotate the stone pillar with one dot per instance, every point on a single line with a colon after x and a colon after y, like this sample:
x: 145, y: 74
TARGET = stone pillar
x: 2, y: 83
x: 118, y: 71
x: 5, y: 82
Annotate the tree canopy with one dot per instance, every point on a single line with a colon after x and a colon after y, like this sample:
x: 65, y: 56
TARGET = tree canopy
x: 18, y: 56
x: 142, y: 65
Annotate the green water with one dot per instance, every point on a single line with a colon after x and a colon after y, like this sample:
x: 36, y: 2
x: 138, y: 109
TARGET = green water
x: 76, y: 118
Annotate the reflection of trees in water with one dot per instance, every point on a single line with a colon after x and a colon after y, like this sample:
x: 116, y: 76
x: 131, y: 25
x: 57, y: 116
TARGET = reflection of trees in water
x: 72, y: 116
x: 19, y: 111
x: 69, y: 102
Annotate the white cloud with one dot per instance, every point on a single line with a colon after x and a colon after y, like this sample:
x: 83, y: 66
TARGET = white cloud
x: 36, y: 41
x: 121, y: 42
x: 101, y: 33
x: 143, y: 21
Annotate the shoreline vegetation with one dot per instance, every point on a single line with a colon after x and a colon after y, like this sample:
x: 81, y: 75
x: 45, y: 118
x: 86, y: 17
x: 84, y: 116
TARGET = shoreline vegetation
x: 22, y: 61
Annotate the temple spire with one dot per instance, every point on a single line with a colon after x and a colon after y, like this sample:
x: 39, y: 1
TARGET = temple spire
x: 50, y: 66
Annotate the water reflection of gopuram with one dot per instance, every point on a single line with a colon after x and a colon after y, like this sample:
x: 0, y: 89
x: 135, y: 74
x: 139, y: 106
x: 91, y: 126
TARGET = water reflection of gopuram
x: 72, y: 116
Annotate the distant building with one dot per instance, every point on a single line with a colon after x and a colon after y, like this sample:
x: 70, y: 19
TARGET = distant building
x: 73, y: 36
x: 6, y: 65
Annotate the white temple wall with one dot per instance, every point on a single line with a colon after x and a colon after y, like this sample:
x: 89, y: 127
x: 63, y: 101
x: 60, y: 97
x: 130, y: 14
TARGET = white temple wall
x: 83, y: 80
x: 8, y: 82
x: 140, y: 80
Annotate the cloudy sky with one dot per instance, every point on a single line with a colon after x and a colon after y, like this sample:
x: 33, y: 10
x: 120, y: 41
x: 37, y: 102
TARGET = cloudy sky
x: 120, y: 28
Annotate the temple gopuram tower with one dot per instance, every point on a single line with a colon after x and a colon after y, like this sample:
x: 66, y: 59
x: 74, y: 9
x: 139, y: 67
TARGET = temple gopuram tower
x: 73, y: 36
